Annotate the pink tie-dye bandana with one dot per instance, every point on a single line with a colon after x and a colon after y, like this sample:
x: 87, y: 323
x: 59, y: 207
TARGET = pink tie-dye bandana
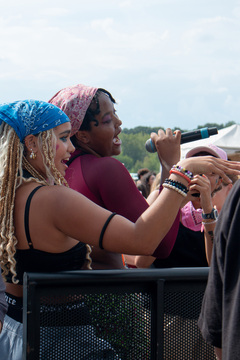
x: 74, y: 101
x: 191, y: 217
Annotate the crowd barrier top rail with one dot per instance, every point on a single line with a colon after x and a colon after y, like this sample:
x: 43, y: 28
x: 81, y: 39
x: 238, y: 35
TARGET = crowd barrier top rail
x: 197, y: 273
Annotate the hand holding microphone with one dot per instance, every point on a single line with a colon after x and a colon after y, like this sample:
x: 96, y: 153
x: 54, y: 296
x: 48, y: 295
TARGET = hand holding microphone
x: 186, y: 137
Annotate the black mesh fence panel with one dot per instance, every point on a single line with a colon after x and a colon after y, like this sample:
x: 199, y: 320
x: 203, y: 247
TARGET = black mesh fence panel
x: 115, y: 315
x: 95, y: 326
x: 182, y: 337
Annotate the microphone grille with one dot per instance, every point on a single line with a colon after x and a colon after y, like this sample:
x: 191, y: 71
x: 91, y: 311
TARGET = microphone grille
x: 150, y: 147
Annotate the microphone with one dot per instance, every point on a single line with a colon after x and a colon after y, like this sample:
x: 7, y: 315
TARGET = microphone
x: 186, y: 137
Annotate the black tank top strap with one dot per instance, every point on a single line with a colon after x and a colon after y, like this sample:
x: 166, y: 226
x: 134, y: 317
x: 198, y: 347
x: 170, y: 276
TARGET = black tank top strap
x: 26, y: 216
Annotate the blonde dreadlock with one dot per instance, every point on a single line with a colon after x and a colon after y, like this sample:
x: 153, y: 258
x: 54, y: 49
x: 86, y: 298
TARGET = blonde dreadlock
x: 46, y: 141
x: 12, y: 161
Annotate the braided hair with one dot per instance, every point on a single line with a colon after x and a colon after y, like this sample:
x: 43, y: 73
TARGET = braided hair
x: 12, y: 162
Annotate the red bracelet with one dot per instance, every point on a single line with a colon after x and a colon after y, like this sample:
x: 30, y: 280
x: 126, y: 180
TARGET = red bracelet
x: 173, y: 171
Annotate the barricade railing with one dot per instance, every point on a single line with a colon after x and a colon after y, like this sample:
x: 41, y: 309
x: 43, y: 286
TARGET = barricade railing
x: 114, y: 314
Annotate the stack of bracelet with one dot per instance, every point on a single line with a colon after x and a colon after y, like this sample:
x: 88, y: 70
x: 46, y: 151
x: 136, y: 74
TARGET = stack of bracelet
x: 176, y: 185
x: 178, y: 170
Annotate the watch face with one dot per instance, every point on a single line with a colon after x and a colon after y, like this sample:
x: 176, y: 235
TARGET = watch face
x: 212, y: 215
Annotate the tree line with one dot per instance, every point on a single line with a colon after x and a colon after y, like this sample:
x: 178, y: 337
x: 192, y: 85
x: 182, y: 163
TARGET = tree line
x: 134, y: 155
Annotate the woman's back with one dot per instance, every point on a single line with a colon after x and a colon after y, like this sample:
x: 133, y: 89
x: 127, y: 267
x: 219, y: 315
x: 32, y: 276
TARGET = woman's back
x: 39, y: 241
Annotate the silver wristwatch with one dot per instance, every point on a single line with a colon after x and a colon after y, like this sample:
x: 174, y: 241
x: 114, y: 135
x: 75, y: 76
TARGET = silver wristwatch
x: 212, y: 215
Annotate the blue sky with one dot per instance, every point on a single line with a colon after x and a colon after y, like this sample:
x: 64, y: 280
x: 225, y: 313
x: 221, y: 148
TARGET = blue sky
x: 170, y: 63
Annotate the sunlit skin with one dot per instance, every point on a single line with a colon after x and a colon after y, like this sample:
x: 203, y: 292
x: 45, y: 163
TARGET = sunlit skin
x: 220, y: 196
x: 151, y: 179
x: 103, y: 139
x: 63, y: 149
x: 64, y: 146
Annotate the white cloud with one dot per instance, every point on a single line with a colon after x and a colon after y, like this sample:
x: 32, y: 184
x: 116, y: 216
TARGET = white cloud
x: 55, y: 11
x: 165, y: 60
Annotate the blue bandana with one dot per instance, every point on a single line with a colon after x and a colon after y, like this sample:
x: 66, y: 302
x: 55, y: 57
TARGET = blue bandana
x: 31, y: 117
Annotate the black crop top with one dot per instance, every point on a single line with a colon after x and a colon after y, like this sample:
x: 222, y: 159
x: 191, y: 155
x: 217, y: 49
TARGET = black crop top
x: 33, y: 260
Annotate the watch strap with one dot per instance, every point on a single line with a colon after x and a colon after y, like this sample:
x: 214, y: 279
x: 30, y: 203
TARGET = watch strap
x: 212, y: 215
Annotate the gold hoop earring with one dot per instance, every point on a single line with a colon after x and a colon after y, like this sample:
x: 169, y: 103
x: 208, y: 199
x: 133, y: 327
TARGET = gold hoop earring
x: 32, y: 155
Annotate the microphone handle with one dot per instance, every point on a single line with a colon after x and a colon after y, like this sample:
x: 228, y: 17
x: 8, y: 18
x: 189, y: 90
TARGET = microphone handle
x: 186, y: 137
x: 194, y: 135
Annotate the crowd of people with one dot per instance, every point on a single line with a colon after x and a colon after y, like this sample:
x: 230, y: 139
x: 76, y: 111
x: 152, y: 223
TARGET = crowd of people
x: 193, y: 245
x: 67, y: 204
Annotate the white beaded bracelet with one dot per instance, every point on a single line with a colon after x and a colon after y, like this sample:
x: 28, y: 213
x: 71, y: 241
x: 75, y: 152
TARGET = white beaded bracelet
x: 175, y: 188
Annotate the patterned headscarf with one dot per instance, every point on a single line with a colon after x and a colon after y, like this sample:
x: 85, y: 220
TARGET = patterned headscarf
x: 74, y: 101
x: 191, y: 217
x: 31, y: 117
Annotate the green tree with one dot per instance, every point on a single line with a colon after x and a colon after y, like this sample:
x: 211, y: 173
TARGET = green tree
x: 150, y: 161
x: 218, y: 126
x: 134, y: 155
x: 127, y: 161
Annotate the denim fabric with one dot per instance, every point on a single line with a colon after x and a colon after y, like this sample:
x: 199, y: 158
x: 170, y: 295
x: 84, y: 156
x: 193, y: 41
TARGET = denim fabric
x: 59, y: 340
x: 11, y: 340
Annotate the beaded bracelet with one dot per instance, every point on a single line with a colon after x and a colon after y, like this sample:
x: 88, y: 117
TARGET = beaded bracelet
x: 173, y: 171
x: 175, y: 188
x: 209, y: 222
x: 183, y: 171
x: 176, y: 185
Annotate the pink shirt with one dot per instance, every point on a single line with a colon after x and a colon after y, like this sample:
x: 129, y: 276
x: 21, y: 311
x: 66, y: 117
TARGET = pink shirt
x: 108, y: 183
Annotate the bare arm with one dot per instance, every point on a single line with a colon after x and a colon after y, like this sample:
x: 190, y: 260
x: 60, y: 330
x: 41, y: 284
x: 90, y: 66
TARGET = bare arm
x: 79, y: 218
x: 152, y: 196
x: 168, y: 148
x: 218, y: 353
x: 203, y: 186
x: 83, y: 220
x: 209, y: 236
x: 144, y: 261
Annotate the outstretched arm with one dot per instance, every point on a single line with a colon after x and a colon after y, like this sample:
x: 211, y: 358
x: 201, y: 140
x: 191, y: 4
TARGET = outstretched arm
x: 78, y: 214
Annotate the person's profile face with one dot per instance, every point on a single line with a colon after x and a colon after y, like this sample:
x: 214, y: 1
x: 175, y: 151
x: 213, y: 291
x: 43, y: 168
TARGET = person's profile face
x: 104, y: 138
x: 64, y: 146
